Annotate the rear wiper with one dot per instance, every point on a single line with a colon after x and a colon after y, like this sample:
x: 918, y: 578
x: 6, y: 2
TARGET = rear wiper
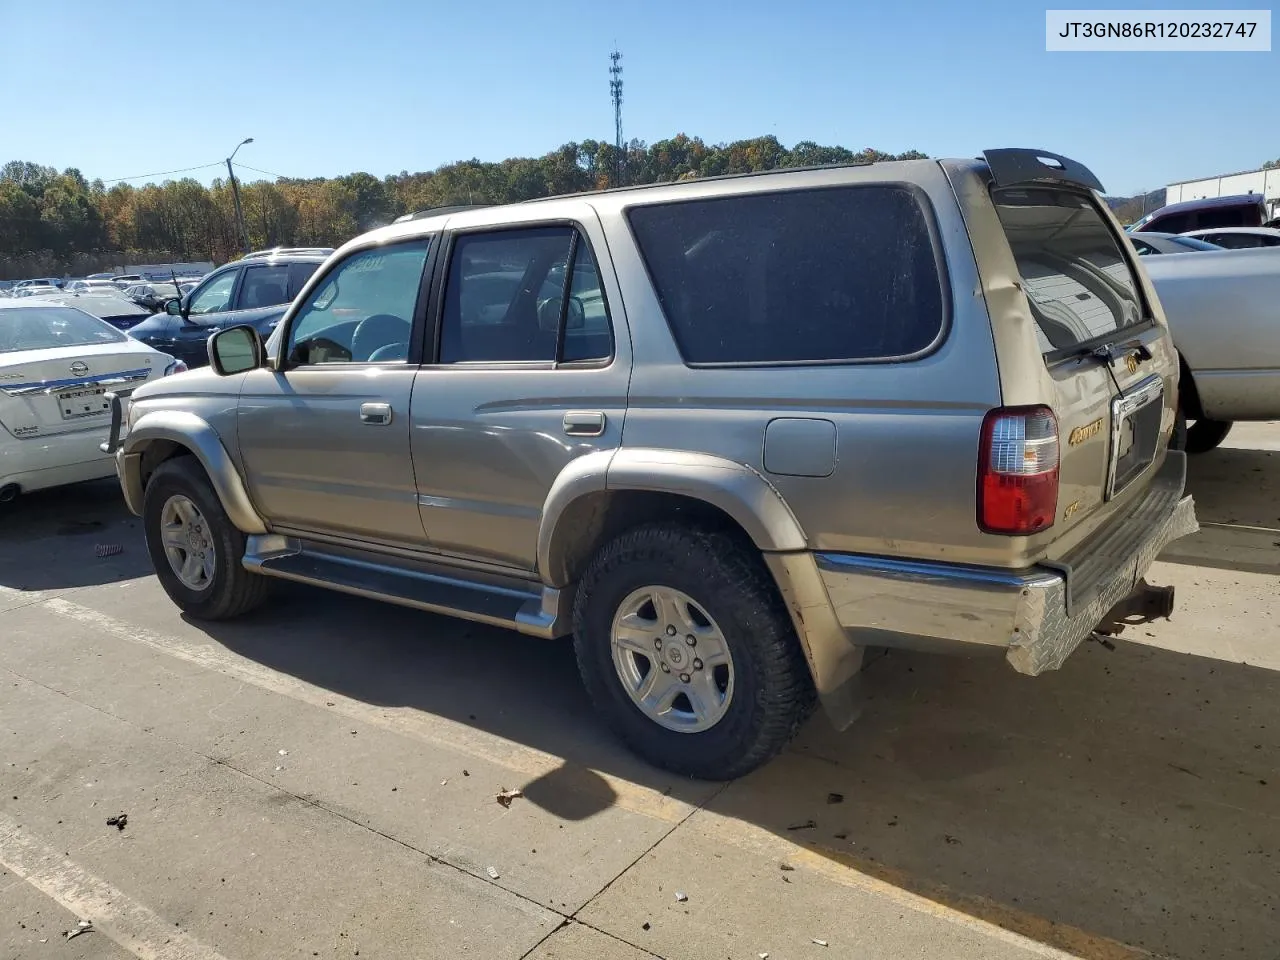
x: 1108, y: 353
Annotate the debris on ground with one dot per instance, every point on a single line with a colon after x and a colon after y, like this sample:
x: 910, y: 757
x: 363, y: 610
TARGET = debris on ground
x: 786, y: 867
x: 283, y: 753
x: 83, y: 927
x: 119, y: 821
x: 466, y: 773
x: 763, y: 956
x: 278, y: 769
x: 842, y: 836
x: 444, y: 782
x: 807, y: 825
x: 950, y: 839
x: 835, y: 798
x: 681, y: 896
x: 821, y: 943
x: 108, y: 550
x: 505, y: 796
x: 645, y: 925
x: 493, y: 873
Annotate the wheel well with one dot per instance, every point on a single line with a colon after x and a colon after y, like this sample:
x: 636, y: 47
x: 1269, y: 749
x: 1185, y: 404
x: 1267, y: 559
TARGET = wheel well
x: 1188, y: 396
x: 593, y: 520
x: 156, y: 453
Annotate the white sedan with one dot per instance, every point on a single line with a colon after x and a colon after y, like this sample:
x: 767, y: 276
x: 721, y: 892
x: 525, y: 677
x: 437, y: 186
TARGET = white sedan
x: 56, y: 364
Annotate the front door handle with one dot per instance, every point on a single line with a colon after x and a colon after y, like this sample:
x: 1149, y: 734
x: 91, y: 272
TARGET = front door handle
x: 584, y: 423
x: 375, y: 414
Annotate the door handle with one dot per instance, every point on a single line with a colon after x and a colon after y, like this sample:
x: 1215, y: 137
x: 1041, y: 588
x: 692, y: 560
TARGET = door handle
x: 375, y: 414
x: 584, y: 423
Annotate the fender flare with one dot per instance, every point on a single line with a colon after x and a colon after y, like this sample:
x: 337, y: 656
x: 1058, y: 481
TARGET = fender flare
x: 735, y: 488
x: 195, y: 434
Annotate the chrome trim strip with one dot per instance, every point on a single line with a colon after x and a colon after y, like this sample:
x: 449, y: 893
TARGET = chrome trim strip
x: 923, y: 571
x: 49, y: 386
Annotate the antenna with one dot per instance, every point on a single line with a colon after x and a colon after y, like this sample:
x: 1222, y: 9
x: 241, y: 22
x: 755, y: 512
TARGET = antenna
x: 615, y: 91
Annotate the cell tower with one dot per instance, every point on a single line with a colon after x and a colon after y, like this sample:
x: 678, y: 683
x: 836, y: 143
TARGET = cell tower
x: 615, y: 90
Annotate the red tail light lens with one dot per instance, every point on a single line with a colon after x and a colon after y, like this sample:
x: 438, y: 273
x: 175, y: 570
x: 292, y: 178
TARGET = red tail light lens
x: 1018, y: 471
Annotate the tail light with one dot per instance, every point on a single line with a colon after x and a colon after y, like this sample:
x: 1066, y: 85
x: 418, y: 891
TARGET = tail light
x: 1018, y: 471
x: 176, y: 367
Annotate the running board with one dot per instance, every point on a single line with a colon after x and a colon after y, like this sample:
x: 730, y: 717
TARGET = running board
x: 525, y: 606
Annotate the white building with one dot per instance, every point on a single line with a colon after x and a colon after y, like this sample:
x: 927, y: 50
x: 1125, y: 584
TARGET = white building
x: 1265, y: 182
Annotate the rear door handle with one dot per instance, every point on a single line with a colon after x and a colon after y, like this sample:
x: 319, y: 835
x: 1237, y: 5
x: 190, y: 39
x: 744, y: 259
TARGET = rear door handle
x: 584, y: 423
x: 375, y: 414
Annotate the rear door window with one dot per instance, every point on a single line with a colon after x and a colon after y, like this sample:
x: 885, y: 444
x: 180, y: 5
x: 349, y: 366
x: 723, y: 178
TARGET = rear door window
x: 264, y: 286
x: 801, y: 276
x: 1076, y: 280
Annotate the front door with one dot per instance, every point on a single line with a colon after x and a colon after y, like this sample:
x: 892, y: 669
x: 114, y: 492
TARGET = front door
x: 529, y: 375
x: 324, y: 438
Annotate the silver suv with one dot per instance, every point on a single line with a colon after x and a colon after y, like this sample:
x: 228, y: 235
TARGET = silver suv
x: 727, y: 434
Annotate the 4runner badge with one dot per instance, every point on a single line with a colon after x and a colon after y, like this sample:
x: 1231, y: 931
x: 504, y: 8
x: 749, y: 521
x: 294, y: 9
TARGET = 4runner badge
x: 1080, y: 434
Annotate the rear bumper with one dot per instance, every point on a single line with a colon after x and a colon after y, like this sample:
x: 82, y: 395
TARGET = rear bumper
x: 34, y: 463
x: 1037, y: 616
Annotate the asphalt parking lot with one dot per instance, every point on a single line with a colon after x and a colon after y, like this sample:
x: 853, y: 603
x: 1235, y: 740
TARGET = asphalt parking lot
x: 321, y: 780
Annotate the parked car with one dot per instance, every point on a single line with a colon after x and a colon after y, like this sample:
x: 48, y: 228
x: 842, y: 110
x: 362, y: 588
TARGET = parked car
x: 36, y: 290
x: 39, y: 282
x: 1149, y: 243
x: 111, y: 307
x: 56, y: 365
x: 92, y: 286
x: 255, y: 290
x: 1245, y: 210
x: 1240, y: 238
x: 1222, y: 310
x: 153, y: 296
x: 919, y: 404
x: 100, y: 276
x: 123, y: 280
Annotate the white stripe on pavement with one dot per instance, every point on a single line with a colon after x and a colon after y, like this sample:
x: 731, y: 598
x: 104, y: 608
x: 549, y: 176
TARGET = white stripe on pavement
x: 136, y: 928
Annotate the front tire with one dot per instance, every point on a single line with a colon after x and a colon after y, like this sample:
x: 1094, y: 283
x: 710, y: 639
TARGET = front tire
x: 688, y: 653
x: 195, y: 548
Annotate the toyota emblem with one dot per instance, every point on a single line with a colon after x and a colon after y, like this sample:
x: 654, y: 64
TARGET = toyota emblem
x: 79, y: 368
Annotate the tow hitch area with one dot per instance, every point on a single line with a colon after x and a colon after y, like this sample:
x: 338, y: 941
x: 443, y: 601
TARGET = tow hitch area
x: 1144, y: 604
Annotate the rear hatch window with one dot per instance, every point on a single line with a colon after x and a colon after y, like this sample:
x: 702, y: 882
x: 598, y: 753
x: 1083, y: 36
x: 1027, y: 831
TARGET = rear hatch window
x: 1076, y: 279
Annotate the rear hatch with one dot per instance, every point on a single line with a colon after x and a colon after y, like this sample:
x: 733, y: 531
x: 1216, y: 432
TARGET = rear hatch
x: 1110, y: 364
x: 54, y: 390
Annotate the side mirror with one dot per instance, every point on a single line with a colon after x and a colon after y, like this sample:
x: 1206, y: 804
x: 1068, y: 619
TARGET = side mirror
x: 173, y: 307
x: 235, y: 350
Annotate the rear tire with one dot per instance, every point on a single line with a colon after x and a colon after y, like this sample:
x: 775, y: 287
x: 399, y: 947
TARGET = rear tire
x: 195, y: 548
x: 662, y: 586
x: 1206, y: 435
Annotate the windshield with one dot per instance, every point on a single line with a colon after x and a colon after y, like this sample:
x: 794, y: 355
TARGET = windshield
x: 43, y: 328
x: 1076, y: 279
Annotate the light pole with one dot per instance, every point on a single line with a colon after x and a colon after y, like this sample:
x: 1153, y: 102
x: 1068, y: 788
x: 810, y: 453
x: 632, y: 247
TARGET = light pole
x: 235, y: 192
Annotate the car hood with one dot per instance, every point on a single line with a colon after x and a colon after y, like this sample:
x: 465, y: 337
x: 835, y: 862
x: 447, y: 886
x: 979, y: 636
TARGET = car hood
x: 203, y: 381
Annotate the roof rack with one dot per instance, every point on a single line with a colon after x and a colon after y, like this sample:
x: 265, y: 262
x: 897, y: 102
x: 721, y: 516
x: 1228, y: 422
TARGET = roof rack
x: 440, y: 211
x: 288, y: 251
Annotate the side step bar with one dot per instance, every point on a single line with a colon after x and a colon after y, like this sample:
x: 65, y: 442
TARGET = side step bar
x: 525, y: 606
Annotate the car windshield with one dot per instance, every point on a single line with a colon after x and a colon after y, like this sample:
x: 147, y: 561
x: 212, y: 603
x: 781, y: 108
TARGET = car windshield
x: 47, y: 327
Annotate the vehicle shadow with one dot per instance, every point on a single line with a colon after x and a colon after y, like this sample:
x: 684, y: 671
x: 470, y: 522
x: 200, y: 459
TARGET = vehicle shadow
x: 50, y: 539
x: 1237, y: 493
x: 1130, y: 800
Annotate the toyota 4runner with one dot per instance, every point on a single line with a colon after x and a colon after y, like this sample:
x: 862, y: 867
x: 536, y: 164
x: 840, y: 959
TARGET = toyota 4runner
x: 727, y: 434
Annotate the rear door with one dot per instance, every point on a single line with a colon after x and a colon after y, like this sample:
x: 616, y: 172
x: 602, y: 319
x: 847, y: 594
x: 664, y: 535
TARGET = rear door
x: 1110, y: 365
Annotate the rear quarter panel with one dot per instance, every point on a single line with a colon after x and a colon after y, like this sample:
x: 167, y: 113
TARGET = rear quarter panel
x: 904, y: 477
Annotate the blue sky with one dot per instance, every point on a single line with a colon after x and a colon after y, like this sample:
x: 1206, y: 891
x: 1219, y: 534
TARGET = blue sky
x: 325, y: 87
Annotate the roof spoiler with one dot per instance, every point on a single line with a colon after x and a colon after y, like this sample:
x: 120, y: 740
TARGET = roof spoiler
x: 1012, y: 166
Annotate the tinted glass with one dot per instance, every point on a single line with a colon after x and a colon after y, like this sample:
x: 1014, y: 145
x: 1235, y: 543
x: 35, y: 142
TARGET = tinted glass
x: 264, y: 286
x: 363, y: 311
x: 1194, y: 243
x: 1077, y: 282
x: 810, y: 275
x: 214, y: 296
x: 1235, y: 241
x: 299, y: 274
x: 503, y: 301
x: 41, y: 328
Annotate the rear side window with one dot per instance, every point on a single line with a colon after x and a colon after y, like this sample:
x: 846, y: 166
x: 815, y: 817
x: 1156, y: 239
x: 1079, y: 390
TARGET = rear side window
x: 264, y: 286
x: 1077, y: 282
x: 299, y: 274
x: 802, y: 276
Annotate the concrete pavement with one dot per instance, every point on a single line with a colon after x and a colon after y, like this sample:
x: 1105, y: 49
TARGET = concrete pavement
x: 319, y: 780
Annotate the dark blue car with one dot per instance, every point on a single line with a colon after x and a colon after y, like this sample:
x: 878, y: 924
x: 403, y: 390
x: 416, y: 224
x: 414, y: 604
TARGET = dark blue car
x: 254, y: 291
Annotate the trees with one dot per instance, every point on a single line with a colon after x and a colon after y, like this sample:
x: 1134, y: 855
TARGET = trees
x: 61, y: 215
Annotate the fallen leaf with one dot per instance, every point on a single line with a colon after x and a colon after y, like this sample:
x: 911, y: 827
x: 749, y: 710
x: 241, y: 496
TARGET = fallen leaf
x: 504, y: 796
